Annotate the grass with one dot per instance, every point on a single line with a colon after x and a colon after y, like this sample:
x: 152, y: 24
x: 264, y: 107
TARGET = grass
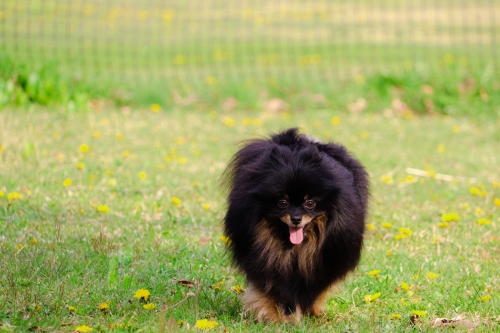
x: 157, y: 174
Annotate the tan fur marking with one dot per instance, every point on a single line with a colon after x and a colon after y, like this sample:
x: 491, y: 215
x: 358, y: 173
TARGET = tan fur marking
x: 264, y: 308
x: 305, y: 220
x: 274, y: 254
x: 318, y: 307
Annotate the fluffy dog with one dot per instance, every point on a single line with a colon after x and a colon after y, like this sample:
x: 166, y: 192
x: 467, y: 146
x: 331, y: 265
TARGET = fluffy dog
x: 295, y: 220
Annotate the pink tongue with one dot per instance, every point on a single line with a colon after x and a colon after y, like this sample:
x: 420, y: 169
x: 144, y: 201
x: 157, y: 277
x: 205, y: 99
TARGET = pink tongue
x: 296, y: 235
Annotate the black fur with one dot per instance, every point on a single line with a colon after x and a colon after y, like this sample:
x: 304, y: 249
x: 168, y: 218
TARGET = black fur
x: 258, y: 176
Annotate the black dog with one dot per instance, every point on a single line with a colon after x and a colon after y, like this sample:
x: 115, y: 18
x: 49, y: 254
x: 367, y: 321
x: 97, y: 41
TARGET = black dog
x: 296, y: 220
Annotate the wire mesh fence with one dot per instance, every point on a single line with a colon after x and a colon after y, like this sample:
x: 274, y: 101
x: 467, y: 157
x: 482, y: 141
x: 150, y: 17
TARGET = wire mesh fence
x: 207, y: 40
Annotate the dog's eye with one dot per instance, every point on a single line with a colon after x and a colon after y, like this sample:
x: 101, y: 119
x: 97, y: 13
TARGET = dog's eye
x: 282, y: 204
x: 309, y: 204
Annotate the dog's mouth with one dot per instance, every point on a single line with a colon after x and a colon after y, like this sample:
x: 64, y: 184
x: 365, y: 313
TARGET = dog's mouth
x: 296, y: 234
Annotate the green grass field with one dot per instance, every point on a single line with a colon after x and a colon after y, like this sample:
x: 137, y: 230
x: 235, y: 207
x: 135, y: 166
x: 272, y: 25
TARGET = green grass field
x: 98, y: 205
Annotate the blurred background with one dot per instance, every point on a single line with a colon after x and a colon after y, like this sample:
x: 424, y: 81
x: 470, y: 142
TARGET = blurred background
x: 238, y: 54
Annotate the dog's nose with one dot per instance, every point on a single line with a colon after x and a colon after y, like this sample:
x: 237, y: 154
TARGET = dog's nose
x: 296, y: 219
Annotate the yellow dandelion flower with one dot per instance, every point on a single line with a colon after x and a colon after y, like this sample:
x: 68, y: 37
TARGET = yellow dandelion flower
x: 496, y: 201
x: 112, y: 182
x: 477, y: 191
x: 211, y: 80
x: 2, y: 148
x: 335, y: 120
x: 179, y: 60
x: 257, y: 122
x: 96, y: 134
x: 104, y: 306
x: 405, y: 231
x: 441, y: 148
x: 34, y: 241
x: 403, y: 302
x: 14, y: 196
x: 408, y: 179
x: 206, y: 324
x: 387, y: 225
x: 142, y: 175
x: 387, y: 179
x: 67, y: 182
x: 19, y: 247
x: 182, y: 160
x: 142, y: 294
x: 103, y: 208
x: 155, y: 107
x: 80, y: 166
x: 119, y: 136
x: 176, y: 201
x: 496, y: 184
x: 224, y: 239
x: 483, y: 221
x: 375, y: 272
x: 370, y: 226
x: 149, y: 306
x: 71, y: 309
x: 228, y: 121
x: 206, y: 206
x: 431, y: 275
x: 126, y: 153
x: 419, y: 313
x: 84, y: 328
x: 486, y: 298
x: 238, y: 289
x: 218, y: 286
x: 455, y: 129
x: 443, y: 225
x: 449, y: 217
x: 405, y: 286
x: 372, y: 297
x: 400, y: 236
x: 395, y: 316
x: 2, y: 194
x: 84, y: 148
x: 479, y: 211
x: 388, y: 253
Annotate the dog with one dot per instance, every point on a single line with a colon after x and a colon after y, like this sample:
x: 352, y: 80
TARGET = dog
x: 295, y: 220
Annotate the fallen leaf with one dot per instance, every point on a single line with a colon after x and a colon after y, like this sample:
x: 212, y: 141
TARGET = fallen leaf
x: 186, y: 283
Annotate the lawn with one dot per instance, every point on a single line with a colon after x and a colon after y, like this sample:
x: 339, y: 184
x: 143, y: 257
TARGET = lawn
x: 97, y: 205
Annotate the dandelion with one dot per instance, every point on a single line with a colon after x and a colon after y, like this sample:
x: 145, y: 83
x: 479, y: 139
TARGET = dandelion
x: 84, y: 148
x: 335, y: 120
x: 71, y: 309
x: 126, y: 153
x: 14, y: 196
x: 112, y: 182
x: 103, y: 208
x: 205, y: 324
x: 104, y: 306
x: 370, y: 226
x: 455, y: 129
x: 496, y: 201
x: 67, y: 182
x: 478, y: 192
x: 96, y: 134
x: 400, y: 236
x: 405, y: 286
x: 34, y: 241
x: 388, y: 253
x: 374, y: 273
x: 206, y: 206
x: 432, y: 276
x: 211, y: 80
x: 2, y: 147
x: 486, y: 298
x: 449, y: 217
x: 119, y: 136
x: 218, y: 286
x: 419, y: 313
x: 238, y: 289
x: 372, y: 297
x: 142, y: 175
x: 443, y: 225
x: 182, y: 160
x: 224, y: 239
x: 387, y: 225
x: 441, y: 148
x: 228, y: 121
x: 149, y: 306
x: 84, y: 328
x: 387, y: 179
x: 408, y: 179
x: 142, y: 294
x: 395, y: 316
x: 19, y: 247
x: 176, y: 201
x: 155, y: 108
x: 2, y: 194
x: 405, y: 231
x: 479, y: 211
x: 483, y: 221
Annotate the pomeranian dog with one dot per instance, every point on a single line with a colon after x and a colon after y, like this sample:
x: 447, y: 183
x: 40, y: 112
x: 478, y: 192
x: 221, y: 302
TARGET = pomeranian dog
x: 295, y: 220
